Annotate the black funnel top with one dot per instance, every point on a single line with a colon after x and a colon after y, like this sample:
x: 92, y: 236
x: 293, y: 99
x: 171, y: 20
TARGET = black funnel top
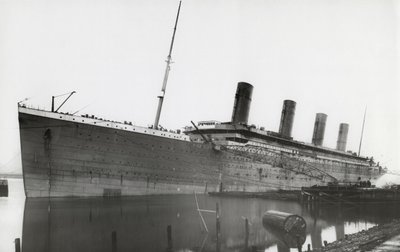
x: 241, y: 107
x: 287, y: 118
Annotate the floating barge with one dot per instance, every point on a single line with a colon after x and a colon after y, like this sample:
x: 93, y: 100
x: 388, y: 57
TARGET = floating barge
x: 289, y: 195
x: 350, y: 194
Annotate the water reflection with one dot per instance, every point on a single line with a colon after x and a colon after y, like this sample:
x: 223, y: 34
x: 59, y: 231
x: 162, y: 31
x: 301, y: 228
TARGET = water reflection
x: 142, y: 224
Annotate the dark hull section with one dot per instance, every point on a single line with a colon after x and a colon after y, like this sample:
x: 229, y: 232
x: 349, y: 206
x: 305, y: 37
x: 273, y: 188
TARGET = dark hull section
x: 62, y: 158
x: 65, y: 158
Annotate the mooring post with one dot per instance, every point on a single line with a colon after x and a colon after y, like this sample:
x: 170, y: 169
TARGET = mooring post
x: 217, y: 218
x: 169, y: 238
x: 17, y: 245
x: 218, y: 226
x: 114, y: 241
x: 298, y: 243
x: 246, y: 226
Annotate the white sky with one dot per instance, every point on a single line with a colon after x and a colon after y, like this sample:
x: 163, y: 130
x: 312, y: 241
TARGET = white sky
x: 334, y: 57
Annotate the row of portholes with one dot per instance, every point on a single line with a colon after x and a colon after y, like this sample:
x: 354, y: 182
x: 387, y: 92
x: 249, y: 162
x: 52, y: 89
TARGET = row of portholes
x: 133, y: 129
x: 149, y: 176
x: 137, y: 165
x: 264, y: 176
x: 112, y: 150
x: 157, y: 177
x: 334, y: 163
x: 116, y: 126
x: 116, y: 140
x: 141, y: 155
x: 107, y: 138
x: 237, y: 165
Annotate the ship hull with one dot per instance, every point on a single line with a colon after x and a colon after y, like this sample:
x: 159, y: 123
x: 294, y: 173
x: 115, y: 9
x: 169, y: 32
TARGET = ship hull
x: 64, y: 157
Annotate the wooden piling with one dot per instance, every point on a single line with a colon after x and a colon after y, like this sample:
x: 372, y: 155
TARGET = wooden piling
x: 218, y: 227
x: 169, y: 238
x: 17, y: 245
x: 114, y: 241
x: 246, y: 227
x: 298, y: 243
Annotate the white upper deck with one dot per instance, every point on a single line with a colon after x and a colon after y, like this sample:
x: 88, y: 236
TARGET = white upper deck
x: 102, y: 123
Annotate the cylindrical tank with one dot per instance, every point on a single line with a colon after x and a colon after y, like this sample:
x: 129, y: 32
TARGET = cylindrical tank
x: 285, y: 221
x: 290, y: 240
x: 287, y: 117
x: 319, y: 129
x: 241, y: 107
x: 342, y: 137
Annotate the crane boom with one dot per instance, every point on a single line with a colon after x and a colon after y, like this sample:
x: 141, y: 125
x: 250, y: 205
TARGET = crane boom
x: 167, y: 69
x: 362, y: 132
x: 52, y: 100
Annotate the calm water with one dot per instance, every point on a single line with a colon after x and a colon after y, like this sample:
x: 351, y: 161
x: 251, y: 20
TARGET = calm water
x: 141, y: 223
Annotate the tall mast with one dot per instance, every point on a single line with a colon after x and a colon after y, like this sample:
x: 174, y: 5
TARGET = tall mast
x: 168, y: 67
x: 362, y: 131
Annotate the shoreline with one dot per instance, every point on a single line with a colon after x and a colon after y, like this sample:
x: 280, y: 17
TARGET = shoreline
x: 365, y: 240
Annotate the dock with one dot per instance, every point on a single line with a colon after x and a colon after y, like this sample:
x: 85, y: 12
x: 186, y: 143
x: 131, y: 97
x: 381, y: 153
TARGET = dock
x: 350, y: 194
x: 288, y: 195
x: 367, y: 240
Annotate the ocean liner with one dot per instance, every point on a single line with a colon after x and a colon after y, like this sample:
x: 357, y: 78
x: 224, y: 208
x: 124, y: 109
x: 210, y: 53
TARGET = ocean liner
x: 68, y: 155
